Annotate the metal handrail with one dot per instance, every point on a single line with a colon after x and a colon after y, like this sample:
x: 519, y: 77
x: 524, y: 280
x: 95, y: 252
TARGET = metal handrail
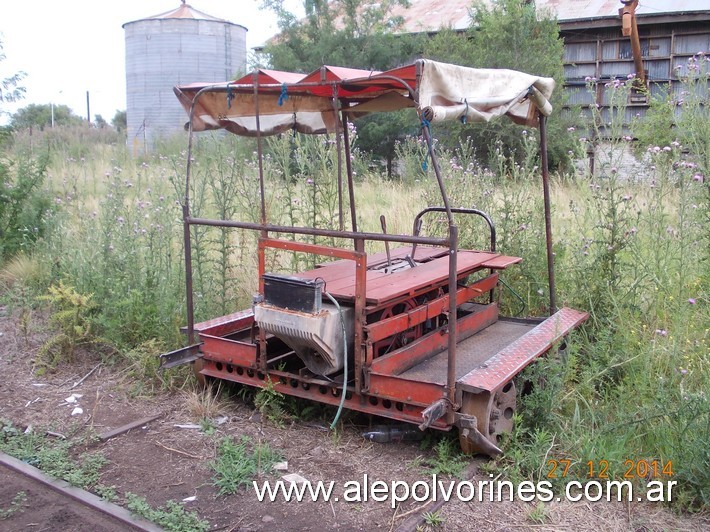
x: 459, y: 210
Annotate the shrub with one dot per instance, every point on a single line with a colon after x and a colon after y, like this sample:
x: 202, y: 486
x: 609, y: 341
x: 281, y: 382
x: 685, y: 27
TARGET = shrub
x: 25, y: 206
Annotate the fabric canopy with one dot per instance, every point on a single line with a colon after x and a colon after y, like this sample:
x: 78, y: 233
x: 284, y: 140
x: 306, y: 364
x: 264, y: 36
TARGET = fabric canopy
x: 290, y: 101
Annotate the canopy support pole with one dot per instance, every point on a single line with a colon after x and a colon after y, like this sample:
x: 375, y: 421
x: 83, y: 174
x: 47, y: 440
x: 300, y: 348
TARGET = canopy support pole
x: 189, y: 302
x: 453, y: 242
x: 261, y: 359
x: 548, y: 217
x: 259, y: 149
x: 349, y: 170
x: 186, y: 219
x: 338, y: 145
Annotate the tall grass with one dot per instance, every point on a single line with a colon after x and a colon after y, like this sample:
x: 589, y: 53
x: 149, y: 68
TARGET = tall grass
x: 633, y: 252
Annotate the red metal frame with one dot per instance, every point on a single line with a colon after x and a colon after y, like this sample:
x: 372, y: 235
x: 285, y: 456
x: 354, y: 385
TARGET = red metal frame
x: 235, y: 349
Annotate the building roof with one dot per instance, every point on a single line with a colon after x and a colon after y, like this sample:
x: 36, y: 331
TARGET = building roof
x: 432, y: 15
x: 569, y: 10
x: 184, y: 11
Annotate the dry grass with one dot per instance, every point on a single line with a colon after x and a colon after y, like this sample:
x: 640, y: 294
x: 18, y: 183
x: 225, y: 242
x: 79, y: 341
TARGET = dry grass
x: 23, y: 269
x: 205, y: 403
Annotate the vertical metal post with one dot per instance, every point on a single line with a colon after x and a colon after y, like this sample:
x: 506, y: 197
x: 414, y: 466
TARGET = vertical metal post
x: 186, y: 235
x: 261, y: 362
x: 349, y: 170
x: 437, y: 172
x: 340, y: 157
x: 548, y: 217
x: 453, y: 247
x: 259, y: 149
x: 360, y: 301
x: 451, y: 368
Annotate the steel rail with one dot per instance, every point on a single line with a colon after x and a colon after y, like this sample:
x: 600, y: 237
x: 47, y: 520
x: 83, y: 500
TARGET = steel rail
x: 88, y: 500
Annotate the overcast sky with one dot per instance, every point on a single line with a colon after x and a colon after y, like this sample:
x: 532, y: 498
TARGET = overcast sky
x: 68, y: 47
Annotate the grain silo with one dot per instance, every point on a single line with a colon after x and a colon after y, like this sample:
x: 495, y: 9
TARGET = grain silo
x: 180, y: 46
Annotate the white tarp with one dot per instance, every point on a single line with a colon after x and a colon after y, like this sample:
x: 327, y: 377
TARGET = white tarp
x: 449, y: 92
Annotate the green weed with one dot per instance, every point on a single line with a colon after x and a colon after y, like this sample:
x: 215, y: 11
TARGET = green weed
x: 172, y: 516
x: 52, y: 457
x: 538, y: 514
x: 238, y: 463
x: 271, y: 404
x: 16, y: 506
x: 25, y: 204
x: 447, y: 459
x: 433, y: 519
x: 143, y: 368
x: 70, y: 316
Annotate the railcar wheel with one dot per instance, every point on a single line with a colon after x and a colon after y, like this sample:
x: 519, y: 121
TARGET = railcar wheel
x: 199, y: 377
x: 494, y: 416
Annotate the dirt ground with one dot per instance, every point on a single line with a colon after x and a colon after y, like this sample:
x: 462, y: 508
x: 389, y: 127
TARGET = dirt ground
x: 161, y: 461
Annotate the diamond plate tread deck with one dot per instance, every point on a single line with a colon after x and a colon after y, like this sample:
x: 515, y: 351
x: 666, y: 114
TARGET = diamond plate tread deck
x: 470, y: 353
x: 507, y: 363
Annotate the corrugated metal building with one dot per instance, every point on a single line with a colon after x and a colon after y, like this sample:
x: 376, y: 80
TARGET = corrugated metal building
x: 671, y: 31
x: 180, y: 46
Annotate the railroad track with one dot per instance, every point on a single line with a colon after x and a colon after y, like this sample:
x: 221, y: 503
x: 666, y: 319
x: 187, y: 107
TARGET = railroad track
x: 29, y: 499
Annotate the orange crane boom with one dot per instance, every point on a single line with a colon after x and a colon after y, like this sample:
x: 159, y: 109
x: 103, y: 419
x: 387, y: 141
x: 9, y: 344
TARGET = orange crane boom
x: 630, y: 29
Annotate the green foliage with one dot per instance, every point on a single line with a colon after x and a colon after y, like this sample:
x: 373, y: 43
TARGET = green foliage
x: 100, y: 122
x: 656, y: 128
x: 433, y: 519
x: 39, y: 116
x: 120, y: 121
x: 25, y: 205
x: 70, y: 315
x: 447, y: 459
x: 238, y: 463
x: 143, y: 367
x: 10, y: 88
x: 508, y: 34
x: 538, y: 514
x: 351, y: 33
x: 172, y: 516
x: 121, y: 243
x: 16, y: 506
x: 271, y: 403
x: 680, y: 117
x: 51, y: 456
x: 631, y: 250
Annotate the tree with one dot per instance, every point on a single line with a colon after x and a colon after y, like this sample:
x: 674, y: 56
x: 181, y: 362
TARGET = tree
x: 352, y: 33
x: 40, y: 116
x: 120, y: 121
x: 10, y: 88
x: 510, y: 34
x: 100, y: 122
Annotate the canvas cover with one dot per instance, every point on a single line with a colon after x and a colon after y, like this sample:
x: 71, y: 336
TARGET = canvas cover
x: 289, y: 101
